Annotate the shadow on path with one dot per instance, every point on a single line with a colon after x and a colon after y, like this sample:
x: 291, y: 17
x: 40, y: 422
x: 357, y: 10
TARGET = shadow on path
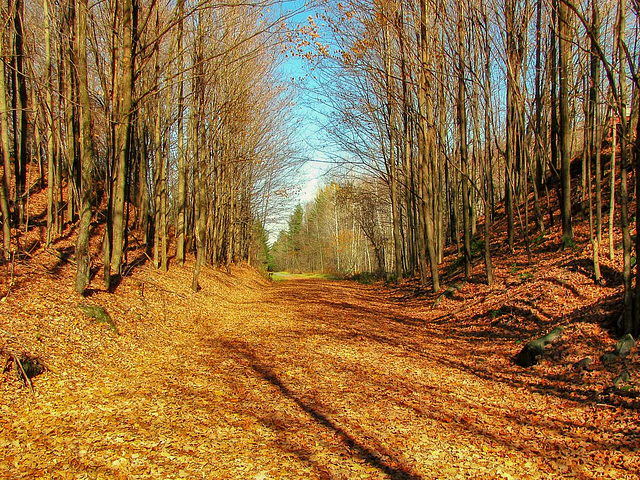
x: 363, y: 452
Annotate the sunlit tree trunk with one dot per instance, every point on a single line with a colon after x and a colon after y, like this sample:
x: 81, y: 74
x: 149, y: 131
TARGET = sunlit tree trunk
x: 427, y: 146
x: 6, y: 156
x: 564, y: 140
x: 595, y: 142
x: 20, y: 120
x: 160, y: 183
x: 83, y: 257
x: 4, y: 114
x: 122, y: 132
x: 51, y: 186
x: 393, y: 167
x: 488, y: 156
x: 628, y: 315
x: 182, y: 174
x: 69, y: 87
x: 461, y: 105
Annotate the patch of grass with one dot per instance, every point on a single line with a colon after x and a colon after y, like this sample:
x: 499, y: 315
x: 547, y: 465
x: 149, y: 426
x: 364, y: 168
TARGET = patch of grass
x: 99, y: 314
x: 538, y: 240
x: 524, y: 276
x: 456, y: 265
x: 284, y: 276
x: 569, y: 243
x: 391, y: 279
x: 477, y: 247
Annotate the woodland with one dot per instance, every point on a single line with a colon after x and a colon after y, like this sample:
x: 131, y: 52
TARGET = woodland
x: 459, y: 299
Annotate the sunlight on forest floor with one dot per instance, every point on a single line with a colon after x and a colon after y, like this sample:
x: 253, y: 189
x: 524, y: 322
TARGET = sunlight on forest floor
x: 282, y: 276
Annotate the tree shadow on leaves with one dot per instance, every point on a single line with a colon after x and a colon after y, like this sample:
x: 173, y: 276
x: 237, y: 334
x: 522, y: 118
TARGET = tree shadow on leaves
x: 356, y: 448
x: 584, y: 266
x: 474, y: 339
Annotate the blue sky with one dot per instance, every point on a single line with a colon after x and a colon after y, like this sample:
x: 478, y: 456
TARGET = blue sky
x: 309, y: 177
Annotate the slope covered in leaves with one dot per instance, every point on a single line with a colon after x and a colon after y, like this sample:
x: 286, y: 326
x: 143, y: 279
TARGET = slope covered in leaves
x: 312, y: 378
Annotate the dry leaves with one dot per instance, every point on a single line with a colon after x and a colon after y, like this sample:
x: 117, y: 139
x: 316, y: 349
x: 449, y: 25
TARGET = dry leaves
x: 313, y: 379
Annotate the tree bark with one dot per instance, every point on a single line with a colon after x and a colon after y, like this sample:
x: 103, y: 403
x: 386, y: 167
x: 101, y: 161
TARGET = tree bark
x: 594, y: 142
x: 182, y: 174
x: 427, y: 146
x: 564, y: 39
x: 83, y: 257
x: 122, y: 133
x: 51, y: 213
x: 462, y: 144
x: 4, y: 137
x: 20, y: 120
x: 513, y: 133
x: 393, y: 168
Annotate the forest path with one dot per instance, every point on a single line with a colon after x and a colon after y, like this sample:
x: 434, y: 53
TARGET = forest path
x: 352, y: 383
x: 299, y: 379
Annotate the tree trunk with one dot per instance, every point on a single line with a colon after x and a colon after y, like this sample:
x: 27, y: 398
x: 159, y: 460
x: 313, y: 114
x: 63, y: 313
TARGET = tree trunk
x: 462, y: 144
x: 553, y: 80
x: 199, y: 229
x: 182, y: 174
x: 487, y: 167
x: 160, y: 220
x: 393, y: 167
x: 628, y: 321
x: 83, y: 257
x: 512, y: 147
x: 564, y: 39
x: 4, y: 137
x: 51, y: 213
x: 70, y: 82
x: 538, y: 144
x: 636, y: 155
x: 122, y: 133
x: 612, y: 187
x: 4, y: 117
x: 427, y: 146
x: 20, y: 133
x: 6, y: 222
x: 594, y: 142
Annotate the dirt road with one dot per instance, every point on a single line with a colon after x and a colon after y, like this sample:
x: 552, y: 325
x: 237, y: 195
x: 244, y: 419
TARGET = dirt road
x: 299, y: 379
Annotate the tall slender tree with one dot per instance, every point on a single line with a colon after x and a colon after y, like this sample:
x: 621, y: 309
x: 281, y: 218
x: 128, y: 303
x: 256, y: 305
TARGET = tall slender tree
x: 83, y: 256
x: 564, y: 139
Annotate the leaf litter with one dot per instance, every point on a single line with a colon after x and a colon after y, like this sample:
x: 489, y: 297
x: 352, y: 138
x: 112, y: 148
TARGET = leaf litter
x: 312, y: 379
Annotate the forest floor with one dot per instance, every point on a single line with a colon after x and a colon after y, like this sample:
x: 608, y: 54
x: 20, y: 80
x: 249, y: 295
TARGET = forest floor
x: 313, y: 378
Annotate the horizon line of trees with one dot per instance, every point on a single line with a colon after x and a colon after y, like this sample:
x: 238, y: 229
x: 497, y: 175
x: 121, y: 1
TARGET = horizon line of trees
x: 344, y: 230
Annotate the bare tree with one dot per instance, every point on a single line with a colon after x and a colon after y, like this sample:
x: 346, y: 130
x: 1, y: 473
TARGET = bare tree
x: 83, y: 256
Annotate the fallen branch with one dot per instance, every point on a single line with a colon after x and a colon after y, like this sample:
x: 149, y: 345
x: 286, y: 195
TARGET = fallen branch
x: 26, y: 378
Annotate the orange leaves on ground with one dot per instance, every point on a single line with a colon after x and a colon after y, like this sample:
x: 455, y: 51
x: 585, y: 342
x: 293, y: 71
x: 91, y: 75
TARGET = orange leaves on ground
x: 313, y: 379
